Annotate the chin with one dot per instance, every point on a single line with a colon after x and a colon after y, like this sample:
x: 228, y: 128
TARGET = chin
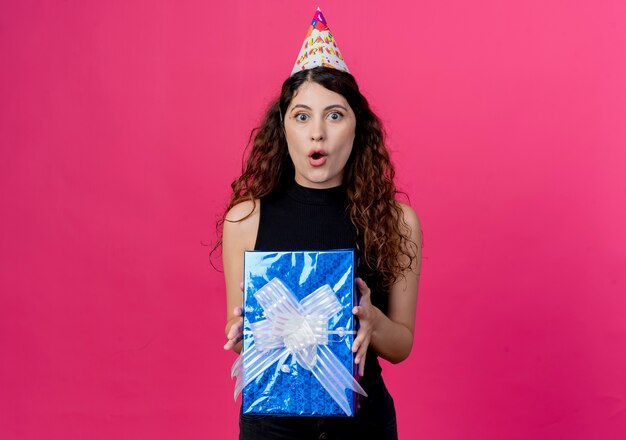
x: 322, y: 178
x: 326, y: 182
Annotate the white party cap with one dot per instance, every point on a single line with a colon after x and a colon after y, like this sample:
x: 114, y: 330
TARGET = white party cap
x: 319, y: 47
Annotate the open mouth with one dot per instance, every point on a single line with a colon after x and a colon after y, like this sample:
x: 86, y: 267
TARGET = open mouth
x: 317, y: 158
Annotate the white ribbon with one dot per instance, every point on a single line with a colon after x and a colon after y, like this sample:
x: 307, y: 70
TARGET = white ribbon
x: 299, y: 329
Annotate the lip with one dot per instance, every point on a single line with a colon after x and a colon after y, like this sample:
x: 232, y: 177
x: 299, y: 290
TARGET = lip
x: 317, y: 157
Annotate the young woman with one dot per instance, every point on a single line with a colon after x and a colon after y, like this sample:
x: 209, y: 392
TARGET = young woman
x: 319, y: 177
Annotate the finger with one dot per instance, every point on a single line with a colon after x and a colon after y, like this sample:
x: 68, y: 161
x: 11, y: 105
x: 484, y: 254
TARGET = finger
x: 360, y: 312
x: 365, y: 292
x: 360, y: 355
x: 234, y: 336
x: 359, y: 358
x: 241, y: 286
x: 357, y: 343
x: 361, y: 351
x: 234, y: 330
x: 238, y: 311
x: 230, y: 344
x: 362, y: 367
x: 355, y: 348
x: 362, y: 285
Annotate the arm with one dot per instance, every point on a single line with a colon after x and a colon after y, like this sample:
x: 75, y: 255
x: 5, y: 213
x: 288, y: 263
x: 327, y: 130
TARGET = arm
x: 391, y: 335
x: 238, y: 236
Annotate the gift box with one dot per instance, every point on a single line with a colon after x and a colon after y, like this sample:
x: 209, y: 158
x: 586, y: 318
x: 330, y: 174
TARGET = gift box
x: 298, y: 333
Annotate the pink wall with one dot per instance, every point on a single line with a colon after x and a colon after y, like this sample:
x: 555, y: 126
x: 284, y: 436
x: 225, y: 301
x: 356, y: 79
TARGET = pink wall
x: 122, y: 124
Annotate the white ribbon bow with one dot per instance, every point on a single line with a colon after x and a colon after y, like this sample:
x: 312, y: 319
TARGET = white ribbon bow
x: 299, y: 329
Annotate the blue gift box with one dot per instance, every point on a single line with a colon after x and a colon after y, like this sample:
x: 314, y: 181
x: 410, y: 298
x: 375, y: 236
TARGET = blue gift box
x: 298, y: 333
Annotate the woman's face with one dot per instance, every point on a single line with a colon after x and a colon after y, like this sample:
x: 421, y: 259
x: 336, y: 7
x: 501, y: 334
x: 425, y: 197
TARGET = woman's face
x: 320, y: 127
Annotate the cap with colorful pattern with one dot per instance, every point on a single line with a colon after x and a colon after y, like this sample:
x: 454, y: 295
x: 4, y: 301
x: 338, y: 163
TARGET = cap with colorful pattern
x: 319, y: 48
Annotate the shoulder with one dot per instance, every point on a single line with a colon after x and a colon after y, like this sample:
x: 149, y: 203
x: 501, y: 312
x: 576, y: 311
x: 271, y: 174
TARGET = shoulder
x: 410, y: 223
x: 242, y: 211
x: 410, y: 217
x: 241, y: 224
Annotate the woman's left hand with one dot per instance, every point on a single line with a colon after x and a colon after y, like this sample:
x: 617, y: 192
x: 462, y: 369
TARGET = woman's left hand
x: 367, y: 315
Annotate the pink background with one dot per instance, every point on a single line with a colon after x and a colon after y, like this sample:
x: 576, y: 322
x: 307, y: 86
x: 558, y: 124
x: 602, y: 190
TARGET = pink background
x: 122, y: 124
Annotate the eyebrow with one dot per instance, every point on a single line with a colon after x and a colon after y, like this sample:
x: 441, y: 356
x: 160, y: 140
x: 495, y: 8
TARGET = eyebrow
x: 325, y: 108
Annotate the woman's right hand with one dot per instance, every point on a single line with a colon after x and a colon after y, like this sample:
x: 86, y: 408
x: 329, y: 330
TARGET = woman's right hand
x: 235, y: 333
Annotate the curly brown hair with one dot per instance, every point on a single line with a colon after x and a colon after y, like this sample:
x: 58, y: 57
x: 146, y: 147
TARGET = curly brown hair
x: 383, y: 238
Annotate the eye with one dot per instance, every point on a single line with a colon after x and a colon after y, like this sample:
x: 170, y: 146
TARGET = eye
x: 301, y: 117
x: 335, y: 116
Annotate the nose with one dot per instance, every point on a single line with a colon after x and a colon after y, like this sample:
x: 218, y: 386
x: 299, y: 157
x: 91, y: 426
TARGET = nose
x: 318, y: 132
